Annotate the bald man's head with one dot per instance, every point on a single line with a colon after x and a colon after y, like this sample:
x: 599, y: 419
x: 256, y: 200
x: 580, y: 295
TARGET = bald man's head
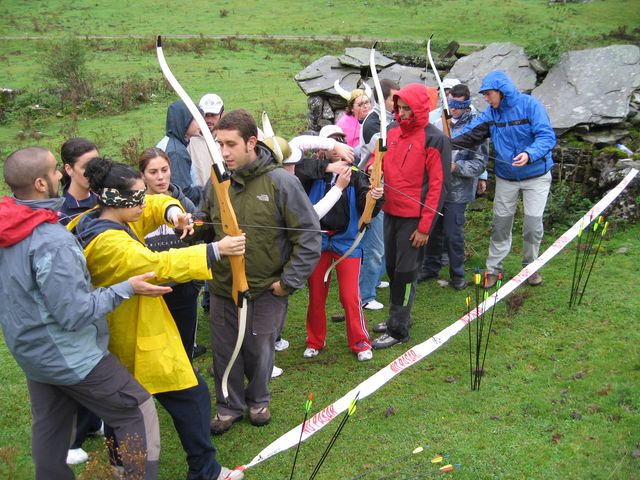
x: 31, y: 173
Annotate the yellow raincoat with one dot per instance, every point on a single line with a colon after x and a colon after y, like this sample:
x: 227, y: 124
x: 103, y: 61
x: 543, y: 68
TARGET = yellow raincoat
x: 142, y: 332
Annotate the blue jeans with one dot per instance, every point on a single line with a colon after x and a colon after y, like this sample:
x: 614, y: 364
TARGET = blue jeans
x: 372, y: 259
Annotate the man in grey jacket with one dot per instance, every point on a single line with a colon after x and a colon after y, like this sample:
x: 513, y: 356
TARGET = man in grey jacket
x: 54, y: 326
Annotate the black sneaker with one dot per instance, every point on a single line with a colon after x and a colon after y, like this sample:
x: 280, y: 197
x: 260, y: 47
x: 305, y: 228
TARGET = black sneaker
x: 423, y: 277
x: 459, y: 283
x: 386, y: 341
x: 380, y: 327
x: 199, y: 350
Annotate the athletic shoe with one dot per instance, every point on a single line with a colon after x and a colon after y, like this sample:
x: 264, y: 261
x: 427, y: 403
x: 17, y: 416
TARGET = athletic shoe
x: 380, y: 327
x: 492, y: 279
x: 76, y: 456
x: 373, y: 305
x: 226, y: 474
x: 386, y: 341
x: 281, y: 345
x: 199, y: 350
x: 535, y: 279
x: 276, y: 372
x: 337, y: 317
x: 259, y: 416
x: 423, y: 277
x: 99, y: 432
x: 459, y: 283
x: 222, y: 423
x: 365, y: 355
x: 310, y: 352
x: 383, y: 285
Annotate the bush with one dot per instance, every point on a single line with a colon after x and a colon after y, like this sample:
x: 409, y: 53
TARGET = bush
x: 66, y: 64
x: 565, y: 203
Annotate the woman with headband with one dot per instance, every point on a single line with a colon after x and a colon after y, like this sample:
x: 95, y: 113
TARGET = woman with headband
x: 143, y: 334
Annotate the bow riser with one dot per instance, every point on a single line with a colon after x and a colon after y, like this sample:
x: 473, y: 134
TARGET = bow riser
x: 376, y: 182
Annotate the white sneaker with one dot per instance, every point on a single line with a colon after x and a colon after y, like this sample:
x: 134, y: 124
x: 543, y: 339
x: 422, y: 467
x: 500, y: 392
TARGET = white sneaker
x: 383, y: 285
x: 276, y: 372
x: 310, y: 352
x: 373, y: 305
x: 226, y: 474
x: 76, y: 456
x: 281, y: 345
x: 99, y: 432
x: 365, y: 355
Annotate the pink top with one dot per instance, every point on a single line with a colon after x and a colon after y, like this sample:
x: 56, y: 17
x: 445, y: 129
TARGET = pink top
x: 351, y: 128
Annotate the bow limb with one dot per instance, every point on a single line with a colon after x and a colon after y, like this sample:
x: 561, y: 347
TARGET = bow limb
x: 220, y: 180
x: 375, y: 176
x: 446, y: 113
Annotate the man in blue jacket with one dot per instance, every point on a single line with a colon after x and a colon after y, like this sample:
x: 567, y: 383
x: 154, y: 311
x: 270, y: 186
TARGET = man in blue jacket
x: 523, y: 140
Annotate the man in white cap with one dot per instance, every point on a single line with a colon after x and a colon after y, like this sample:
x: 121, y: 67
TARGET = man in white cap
x: 213, y: 108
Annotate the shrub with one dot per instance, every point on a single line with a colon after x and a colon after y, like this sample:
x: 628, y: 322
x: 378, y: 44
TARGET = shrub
x: 66, y: 64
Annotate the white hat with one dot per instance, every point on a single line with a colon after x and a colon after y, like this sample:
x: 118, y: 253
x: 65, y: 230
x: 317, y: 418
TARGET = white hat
x: 296, y: 155
x: 329, y: 130
x: 450, y: 82
x: 211, y: 103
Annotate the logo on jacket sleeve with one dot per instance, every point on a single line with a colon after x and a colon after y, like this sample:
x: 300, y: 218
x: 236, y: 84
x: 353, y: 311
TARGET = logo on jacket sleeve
x: 263, y: 197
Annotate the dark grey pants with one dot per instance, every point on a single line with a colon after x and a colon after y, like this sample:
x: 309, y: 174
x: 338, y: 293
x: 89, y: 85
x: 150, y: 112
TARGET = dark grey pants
x: 265, y: 318
x: 403, y: 264
x: 113, y: 394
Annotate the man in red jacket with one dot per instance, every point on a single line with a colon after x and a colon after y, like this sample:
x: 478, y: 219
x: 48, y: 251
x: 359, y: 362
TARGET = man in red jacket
x: 418, y: 164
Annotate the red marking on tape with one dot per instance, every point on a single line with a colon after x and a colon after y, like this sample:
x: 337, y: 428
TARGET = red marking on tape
x: 406, y: 360
x: 320, y: 419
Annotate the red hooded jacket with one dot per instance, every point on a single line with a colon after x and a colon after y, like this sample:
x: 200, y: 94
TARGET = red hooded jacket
x: 417, y: 162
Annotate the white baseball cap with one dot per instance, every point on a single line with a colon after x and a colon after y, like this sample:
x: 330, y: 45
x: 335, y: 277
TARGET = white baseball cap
x: 450, y: 82
x: 211, y: 103
x: 329, y: 130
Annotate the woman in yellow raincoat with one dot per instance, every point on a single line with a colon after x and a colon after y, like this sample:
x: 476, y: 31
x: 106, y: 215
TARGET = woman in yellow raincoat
x: 143, y: 334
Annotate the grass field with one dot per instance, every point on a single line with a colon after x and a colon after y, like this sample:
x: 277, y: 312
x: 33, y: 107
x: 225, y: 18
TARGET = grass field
x: 561, y: 397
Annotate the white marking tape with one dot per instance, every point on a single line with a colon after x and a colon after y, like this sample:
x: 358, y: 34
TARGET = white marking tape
x: 420, y: 351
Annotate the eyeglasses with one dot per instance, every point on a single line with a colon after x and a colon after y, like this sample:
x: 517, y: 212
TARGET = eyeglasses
x: 362, y: 103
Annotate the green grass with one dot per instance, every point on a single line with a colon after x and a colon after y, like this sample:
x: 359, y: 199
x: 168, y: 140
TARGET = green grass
x: 521, y: 21
x: 561, y: 395
x: 560, y: 398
